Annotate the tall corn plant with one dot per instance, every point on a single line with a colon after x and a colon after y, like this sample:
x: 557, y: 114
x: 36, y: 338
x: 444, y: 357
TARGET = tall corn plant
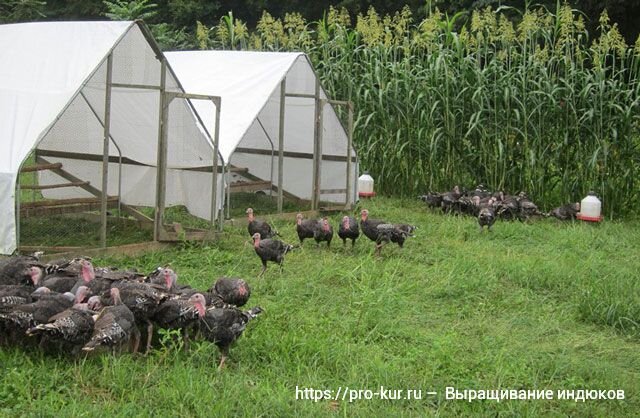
x: 537, y: 106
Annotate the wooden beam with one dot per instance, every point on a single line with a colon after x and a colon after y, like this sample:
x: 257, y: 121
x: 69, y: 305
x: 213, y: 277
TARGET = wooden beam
x: 34, y: 248
x: 301, y: 95
x: 283, y: 89
x: 114, y: 159
x: 64, y: 202
x: 70, y: 177
x: 287, y: 194
x: 333, y: 191
x: 161, y: 153
x: 292, y: 154
x: 89, y: 188
x: 134, y: 213
x: 40, y: 167
x: 250, y: 186
x: 120, y: 250
x: 52, y: 186
x: 62, y: 207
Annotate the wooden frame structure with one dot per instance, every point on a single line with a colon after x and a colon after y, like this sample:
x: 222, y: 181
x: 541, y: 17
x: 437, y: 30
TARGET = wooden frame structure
x: 101, y: 202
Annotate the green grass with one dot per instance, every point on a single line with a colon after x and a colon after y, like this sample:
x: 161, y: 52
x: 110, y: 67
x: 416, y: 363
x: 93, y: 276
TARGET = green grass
x: 530, y: 306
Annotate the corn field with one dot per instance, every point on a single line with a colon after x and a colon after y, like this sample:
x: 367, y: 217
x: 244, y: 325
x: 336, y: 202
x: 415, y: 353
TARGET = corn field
x: 538, y: 105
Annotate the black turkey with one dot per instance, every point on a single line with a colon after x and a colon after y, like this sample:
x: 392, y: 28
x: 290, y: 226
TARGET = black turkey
x: 305, y: 227
x: 527, y: 207
x: 72, y: 328
x: 507, y: 206
x: 142, y: 299
x: 94, y: 303
x: 349, y: 229
x: 382, y: 232
x: 270, y: 250
x: 449, y: 199
x: 433, y: 200
x: 20, y: 270
x: 231, y: 290
x: 60, y: 283
x: 210, y: 298
x: 22, y: 317
x: 165, y: 277
x: 324, y: 232
x: 567, y: 212
x: 88, y: 278
x: 481, y: 191
x: 180, y: 313
x: 114, y: 326
x: 487, y: 214
x: 260, y: 227
x: 223, y: 326
x: 13, y: 295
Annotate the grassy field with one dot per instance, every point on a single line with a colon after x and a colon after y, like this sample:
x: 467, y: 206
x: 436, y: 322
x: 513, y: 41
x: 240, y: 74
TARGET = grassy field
x: 530, y: 306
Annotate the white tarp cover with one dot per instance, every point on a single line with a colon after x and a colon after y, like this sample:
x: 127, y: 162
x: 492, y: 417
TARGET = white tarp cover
x: 52, y: 96
x: 249, y: 84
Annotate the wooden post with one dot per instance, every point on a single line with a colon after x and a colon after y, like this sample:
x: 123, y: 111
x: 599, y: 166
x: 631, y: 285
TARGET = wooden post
x: 318, y: 152
x: 283, y: 90
x: 228, y: 186
x: 349, y: 145
x: 315, y: 189
x: 161, y: 167
x: 214, y: 186
x: 105, y: 153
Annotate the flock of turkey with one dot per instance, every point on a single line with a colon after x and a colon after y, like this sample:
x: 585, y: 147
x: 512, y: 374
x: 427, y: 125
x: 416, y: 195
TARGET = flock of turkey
x: 488, y: 206
x: 69, y: 305
x: 268, y: 248
x: 72, y: 306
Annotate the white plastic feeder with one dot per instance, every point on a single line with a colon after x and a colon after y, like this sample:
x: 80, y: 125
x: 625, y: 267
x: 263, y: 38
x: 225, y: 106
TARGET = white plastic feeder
x: 365, y: 185
x: 590, y: 208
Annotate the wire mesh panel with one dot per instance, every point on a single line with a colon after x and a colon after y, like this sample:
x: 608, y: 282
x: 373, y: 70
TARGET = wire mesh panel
x: 189, y: 181
x: 53, y: 225
x: 337, y: 173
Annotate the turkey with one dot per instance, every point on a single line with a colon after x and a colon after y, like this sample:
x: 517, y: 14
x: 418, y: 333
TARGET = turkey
x: 324, y: 232
x: 94, y: 303
x: 508, y: 206
x: 180, y: 313
x: 210, y: 298
x: 305, y: 227
x: 481, y: 191
x: 348, y: 229
x: 433, y: 200
x: 566, y: 212
x: 527, y: 207
x: 487, y: 214
x: 258, y: 226
x: 22, y: 317
x: 114, y: 326
x: 223, y: 326
x: 21, y: 270
x: 142, y: 299
x: 88, y: 278
x: 12, y: 295
x: 165, y: 277
x: 382, y: 232
x: 60, y: 282
x: 231, y: 290
x: 270, y: 250
x: 449, y: 199
x: 115, y: 275
x: 72, y: 327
